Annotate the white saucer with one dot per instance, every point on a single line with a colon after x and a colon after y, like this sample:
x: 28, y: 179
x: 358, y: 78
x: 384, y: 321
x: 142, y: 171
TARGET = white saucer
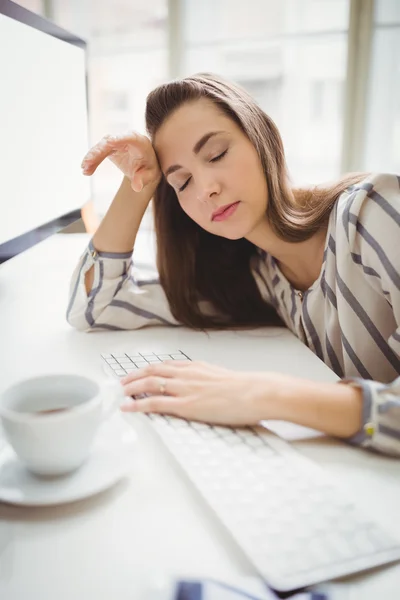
x: 110, y: 459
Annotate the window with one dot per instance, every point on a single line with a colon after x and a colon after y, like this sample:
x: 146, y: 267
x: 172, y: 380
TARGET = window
x: 382, y: 142
x: 291, y: 56
x: 127, y: 57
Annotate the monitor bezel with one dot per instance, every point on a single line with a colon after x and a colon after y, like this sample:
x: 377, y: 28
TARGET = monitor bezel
x: 23, y: 15
x: 23, y: 242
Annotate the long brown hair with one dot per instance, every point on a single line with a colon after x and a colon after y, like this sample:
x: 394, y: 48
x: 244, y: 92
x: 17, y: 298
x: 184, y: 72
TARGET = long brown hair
x: 207, y: 279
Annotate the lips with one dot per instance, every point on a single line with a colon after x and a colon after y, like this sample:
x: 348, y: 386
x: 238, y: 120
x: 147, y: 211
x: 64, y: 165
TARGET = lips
x: 222, y: 210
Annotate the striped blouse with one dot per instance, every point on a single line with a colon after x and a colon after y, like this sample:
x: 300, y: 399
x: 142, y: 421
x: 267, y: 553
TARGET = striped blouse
x: 349, y: 317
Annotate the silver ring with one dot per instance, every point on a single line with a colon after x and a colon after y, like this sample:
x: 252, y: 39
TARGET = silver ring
x: 162, y: 387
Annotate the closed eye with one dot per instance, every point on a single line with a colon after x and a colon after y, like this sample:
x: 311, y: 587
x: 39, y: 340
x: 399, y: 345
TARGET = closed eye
x: 217, y: 158
x: 213, y: 160
x: 184, y: 185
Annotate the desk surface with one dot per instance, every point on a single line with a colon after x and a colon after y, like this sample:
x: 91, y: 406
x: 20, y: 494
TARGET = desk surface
x: 149, y: 525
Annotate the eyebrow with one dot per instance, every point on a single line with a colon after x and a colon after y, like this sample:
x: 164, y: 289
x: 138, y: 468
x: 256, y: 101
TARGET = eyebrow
x: 196, y: 149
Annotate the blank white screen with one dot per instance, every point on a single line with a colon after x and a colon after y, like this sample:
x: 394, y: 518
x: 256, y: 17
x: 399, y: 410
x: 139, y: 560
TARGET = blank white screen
x: 43, y: 128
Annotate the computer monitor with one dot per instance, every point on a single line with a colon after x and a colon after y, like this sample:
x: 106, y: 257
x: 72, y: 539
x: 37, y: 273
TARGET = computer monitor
x: 43, y: 128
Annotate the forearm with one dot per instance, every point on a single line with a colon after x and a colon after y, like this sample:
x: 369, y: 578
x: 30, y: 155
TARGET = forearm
x: 334, y: 409
x: 118, y: 229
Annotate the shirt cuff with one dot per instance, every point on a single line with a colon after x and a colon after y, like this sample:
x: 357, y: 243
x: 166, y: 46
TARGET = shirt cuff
x: 95, y: 253
x: 369, y: 425
x: 110, y: 265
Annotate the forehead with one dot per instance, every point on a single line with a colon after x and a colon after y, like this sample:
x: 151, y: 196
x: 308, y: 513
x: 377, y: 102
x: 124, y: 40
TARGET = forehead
x: 180, y: 132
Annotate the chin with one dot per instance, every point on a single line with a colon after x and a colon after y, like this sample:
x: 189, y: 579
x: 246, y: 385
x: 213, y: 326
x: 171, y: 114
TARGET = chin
x: 233, y: 236
x: 234, y: 233
x: 231, y: 231
x: 239, y: 231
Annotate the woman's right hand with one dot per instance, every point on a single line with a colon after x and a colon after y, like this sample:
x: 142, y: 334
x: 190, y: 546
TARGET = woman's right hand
x: 132, y: 153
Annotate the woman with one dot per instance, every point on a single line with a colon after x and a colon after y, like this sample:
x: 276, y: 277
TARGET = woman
x: 237, y: 246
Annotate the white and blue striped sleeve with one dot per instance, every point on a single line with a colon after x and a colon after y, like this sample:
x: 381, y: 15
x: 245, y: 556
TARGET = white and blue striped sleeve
x: 118, y: 300
x: 376, y: 239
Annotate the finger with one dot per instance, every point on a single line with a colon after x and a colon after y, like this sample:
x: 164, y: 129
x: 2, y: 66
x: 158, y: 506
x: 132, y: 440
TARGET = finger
x: 196, y: 363
x: 192, y: 377
x: 155, y: 404
x: 139, y: 179
x: 180, y: 363
x: 197, y: 367
x: 158, y: 370
x: 144, y: 175
x: 106, y: 146
x: 154, y: 386
x: 165, y: 369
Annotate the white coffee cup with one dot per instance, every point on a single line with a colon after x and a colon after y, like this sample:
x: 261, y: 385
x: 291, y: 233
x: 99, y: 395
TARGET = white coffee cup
x: 51, y: 420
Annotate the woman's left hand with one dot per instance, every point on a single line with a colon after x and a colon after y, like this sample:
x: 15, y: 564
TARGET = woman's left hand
x: 204, y: 392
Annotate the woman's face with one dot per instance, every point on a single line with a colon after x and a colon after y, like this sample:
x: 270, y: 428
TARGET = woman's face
x: 212, y: 165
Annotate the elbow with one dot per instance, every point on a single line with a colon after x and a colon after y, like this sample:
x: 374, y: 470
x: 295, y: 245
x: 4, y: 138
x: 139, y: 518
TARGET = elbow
x: 78, y: 320
x: 79, y: 313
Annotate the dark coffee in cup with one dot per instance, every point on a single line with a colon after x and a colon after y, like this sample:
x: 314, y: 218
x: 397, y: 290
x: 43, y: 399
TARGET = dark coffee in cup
x: 50, y: 411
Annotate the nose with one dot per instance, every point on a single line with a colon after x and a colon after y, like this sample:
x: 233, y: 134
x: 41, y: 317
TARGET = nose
x: 207, y: 189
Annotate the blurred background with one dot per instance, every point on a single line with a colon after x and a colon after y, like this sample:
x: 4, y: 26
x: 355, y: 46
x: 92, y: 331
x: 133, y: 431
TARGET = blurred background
x: 327, y: 71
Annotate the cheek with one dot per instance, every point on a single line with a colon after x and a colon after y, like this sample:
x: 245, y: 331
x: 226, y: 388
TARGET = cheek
x: 249, y: 170
x: 240, y: 174
x: 249, y: 180
x: 190, y: 207
x: 194, y: 211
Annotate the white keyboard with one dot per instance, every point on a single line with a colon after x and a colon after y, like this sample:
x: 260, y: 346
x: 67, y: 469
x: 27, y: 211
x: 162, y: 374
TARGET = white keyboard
x: 295, y: 526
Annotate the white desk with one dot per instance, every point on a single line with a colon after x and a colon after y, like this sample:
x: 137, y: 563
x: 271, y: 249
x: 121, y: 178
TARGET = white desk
x: 113, y: 545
